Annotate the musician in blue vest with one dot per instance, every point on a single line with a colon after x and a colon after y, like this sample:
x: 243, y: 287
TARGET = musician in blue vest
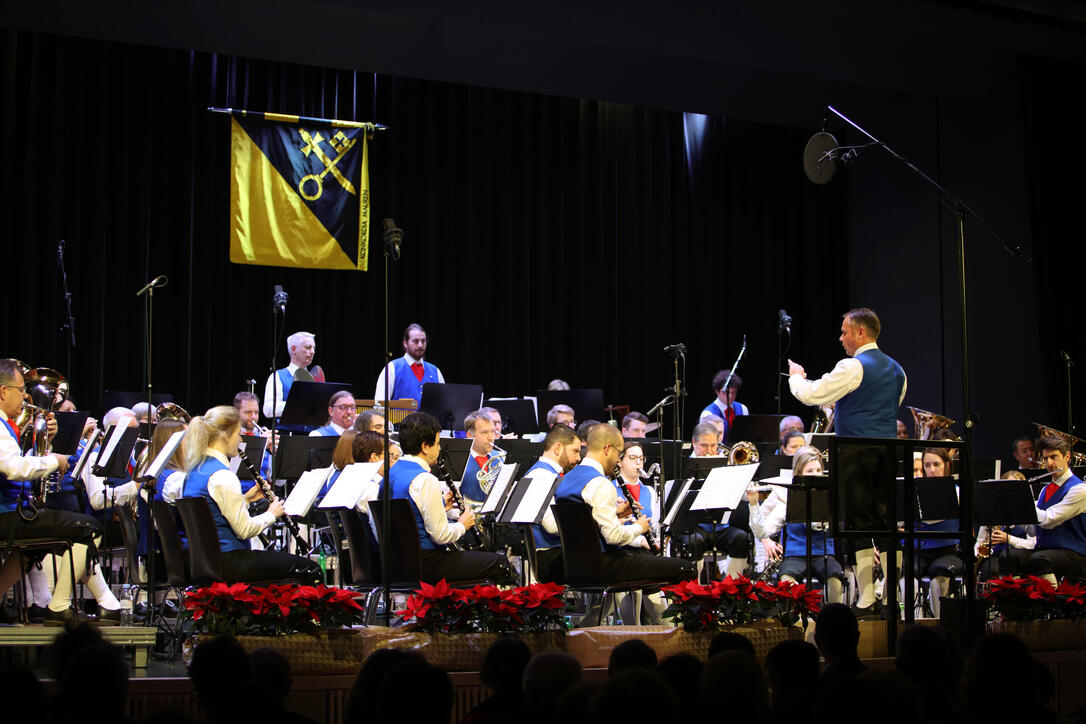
x: 590, y: 483
x: 407, y: 374
x: 1061, y: 520
x: 994, y: 542
x: 478, y: 426
x: 561, y: 453
x: 410, y: 479
x: 868, y: 387
x: 725, y: 406
x: 211, y: 441
x: 248, y: 406
x: 636, y: 607
x: 17, y: 472
x: 768, y: 518
x: 341, y: 413
x: 301, y: 346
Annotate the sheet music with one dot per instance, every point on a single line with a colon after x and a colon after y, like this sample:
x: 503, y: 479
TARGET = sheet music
x: 164, y: 455
x: 785, y: 478
x: 85, y: 456
x: 724, y: 487
x: 235, y: 464
x: 349, y: 486
x: 114, y: 438
x: 535, y: 497
x: 676, y: 505
x: 305, y: 491
x: 497, y: 491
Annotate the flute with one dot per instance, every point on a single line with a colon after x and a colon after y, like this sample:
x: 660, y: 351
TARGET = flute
x: 266, y: 488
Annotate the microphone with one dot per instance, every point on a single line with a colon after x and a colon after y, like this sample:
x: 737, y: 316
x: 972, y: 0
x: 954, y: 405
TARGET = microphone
x: 160, y: 281
x: 60, y: 252
x: 680, y: 348
x: 784, y: 322
x: 393, y: 236
x: 279, y: 300
x: 1067, y: 358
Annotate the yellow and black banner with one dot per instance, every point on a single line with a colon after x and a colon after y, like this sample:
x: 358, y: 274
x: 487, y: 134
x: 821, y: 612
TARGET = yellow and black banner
x: 299, y: 192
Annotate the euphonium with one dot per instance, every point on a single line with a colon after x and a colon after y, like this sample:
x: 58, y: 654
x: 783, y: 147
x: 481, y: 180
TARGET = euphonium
x: 743, y: 453
x: 490, y: 471
x: 165, y: 411
x: 926, y: 424
x: 1077, y: 458
x: 47, y: 389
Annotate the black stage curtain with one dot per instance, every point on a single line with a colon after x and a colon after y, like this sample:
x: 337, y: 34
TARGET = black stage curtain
x: 545, y: 237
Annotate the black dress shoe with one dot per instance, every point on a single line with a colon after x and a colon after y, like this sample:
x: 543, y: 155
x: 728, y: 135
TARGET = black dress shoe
x: 109, y: 616
x: 36, y: 613
x: 61, y: 618
x: 868, y: 613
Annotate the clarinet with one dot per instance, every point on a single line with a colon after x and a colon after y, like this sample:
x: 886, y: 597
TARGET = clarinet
x: 638, y: 510
x: 474, y: 539
x: 266, y: 488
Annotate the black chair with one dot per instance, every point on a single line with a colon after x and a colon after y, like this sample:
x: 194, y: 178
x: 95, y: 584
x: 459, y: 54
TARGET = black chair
x: 173, y: 557
x: 364, y: 571
x: 582, y: 559
x: 58, y: 547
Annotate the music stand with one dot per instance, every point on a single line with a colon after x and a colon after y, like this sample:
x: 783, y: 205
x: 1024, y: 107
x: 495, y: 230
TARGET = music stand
x: 450, y: 403
x: 526, y: 505
x: 522, y: 452
x: 1004, y: 502
x: 813, y: 504
x: 936, y: 498
x: 69, y: 431
x: 518, y: 416
x: 771, y: 466
x: 115, y: 452
x: 298, y: 453
x: 586, y: 404
x: 255, y: 447
x: 305, y: 492
x: 755, y: 428
x: 499, y: 491
x: 307, y: 403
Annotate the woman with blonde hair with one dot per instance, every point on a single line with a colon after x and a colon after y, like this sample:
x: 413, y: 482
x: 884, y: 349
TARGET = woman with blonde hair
x: 211, y: 441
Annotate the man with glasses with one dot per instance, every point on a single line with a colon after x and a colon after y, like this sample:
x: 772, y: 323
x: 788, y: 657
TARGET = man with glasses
x: 341, y: 414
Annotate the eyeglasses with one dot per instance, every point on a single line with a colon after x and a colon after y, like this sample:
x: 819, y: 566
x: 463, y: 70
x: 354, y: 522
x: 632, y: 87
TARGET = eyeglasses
x: 343, y: 408
x: 635, y: 458
x: 20, y: 388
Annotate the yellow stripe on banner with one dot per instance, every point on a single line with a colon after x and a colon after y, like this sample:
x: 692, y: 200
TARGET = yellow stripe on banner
x: 269, y: 224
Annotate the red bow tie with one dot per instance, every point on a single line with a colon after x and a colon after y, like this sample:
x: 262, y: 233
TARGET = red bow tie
x: 417, y: 369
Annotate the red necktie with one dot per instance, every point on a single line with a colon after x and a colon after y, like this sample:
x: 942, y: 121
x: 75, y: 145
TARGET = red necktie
x: 635, y: 491
x: 417, y: 369
x: 14, y: 428
x: 1050, y: 490
x: 729, y: 415
x: 481, y: 460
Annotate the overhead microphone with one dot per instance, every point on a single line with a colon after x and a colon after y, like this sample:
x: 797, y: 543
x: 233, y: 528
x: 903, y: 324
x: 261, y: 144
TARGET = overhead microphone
x: 160, y: 281
x: 279, y: 300
x: 784, y: 322
x: 680, y: 347
x: 60, y: 252
x: 1066, y: 358
x: 393, y: 237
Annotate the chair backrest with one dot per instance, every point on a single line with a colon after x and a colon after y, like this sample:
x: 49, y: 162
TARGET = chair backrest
x: 172, y: 553
x: 131, y: 540
x: 402, y: 539
x: 581, y: 557
x: 205, y: 555
x: 358, y: 541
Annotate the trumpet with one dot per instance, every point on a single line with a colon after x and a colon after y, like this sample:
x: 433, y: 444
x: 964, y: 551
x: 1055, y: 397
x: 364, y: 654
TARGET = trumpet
x: 490, y: 471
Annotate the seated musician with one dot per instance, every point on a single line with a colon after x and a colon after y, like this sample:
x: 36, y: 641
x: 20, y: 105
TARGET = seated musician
x: 301, y: 346
x: 635, y: 424
x: 937, y: 558
x: 104, y: 495
x: 791, y: 422
x: 791, y: 441
x: 410, y: 479
x: 480, y: 429
x: 638, y: 607
x: 561, y: 453
x: 211, y: 441
x: 370, y: 420
x: 994, y: 542
x: 143, y: 411
x: 341, y: 413
x: 17, y: 472
x: 717, y: 423
x: 1025, y: 454
x: 725, y: 405
x: 248, y: 406
x: 1061, y: 520
x: 768, y: 518
x: 732, y: 537
x: 589, y: 483
x: 562, y: 414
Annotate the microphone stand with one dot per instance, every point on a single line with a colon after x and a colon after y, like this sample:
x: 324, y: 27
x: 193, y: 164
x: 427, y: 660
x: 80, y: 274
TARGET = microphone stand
x: 148, y: 307
x: 69, y: 325
x: 658, y: 409
x: 1070, y: 364
x: 392, y: 238
x: 781, y: 329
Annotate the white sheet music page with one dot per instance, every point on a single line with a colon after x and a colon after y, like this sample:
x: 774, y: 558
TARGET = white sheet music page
x: 164, y: 455
x: 678, y: 499
x: 535, y: 497
x: 724, y: 487
x: 349, y: 486
x: 505, y: 478
x: 305, y: 491
x: 85, y: 456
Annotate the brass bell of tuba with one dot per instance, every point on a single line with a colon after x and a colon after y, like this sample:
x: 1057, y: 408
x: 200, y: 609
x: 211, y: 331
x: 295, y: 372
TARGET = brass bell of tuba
x: 47, y: 389
x: 926, y: 424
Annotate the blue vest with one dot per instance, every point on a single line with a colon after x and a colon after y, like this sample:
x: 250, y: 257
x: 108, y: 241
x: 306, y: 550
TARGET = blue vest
x: 795, y: 541
x: 1069, y: 535
x: 286, y: 379
x: 571, y: 488
x: 645, y: 501
x: 327, y: 485
x: 1017, y: 531
x: 469, y: 485
x: 543, y: 539
x: 406, y: 385
x: 946, y: 526
x: 9, y: 489
x: 399, y: 478
x: 715, y: 408
x: 871, y: 409
x: 326, y: 431
x: 196, y: 487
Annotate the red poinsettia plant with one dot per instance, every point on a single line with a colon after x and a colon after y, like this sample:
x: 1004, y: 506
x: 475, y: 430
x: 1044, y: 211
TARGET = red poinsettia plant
x: 241, y: 609
x: 737, y: 601
x: 440, y: 608
x: 1032, y: 598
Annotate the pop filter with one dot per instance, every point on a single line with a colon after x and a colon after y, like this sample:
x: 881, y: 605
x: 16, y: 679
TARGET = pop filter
x: 819, y: 159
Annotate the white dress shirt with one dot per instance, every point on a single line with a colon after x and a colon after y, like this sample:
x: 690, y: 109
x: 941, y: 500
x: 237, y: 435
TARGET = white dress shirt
x: 379, y: 389
x: 17, y: 466
x: 101, y: 495
x: 1027, y: 543
x: 600, y: 493
x: 225, y: 489
x: 768, y: 518
x: 1074, y: 503
x: 429, y: 498
x: 171, y: 488
x: 275, y: 384
x: 835, y: 384
x: 548, y: 521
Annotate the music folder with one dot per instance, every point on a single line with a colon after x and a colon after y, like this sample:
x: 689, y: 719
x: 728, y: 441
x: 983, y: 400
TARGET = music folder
x: 305, y: 492
x: 69, y: 430
x: 499, y: 491
x: 1004, y: 502
x: 86, y: 455
x: 350, y: 486
x: 531, y: 497
x: 116, y: 450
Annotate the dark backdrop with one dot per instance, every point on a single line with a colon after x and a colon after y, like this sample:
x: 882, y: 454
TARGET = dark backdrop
x: 545, y: 237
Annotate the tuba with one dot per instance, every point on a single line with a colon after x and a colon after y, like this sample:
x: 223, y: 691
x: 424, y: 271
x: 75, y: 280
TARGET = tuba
x: 47, y: 389
x: 926, y: 424
x: 1077, y: 458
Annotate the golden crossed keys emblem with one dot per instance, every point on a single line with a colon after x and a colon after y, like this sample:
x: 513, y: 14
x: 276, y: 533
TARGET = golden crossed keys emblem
x: 341, y: 145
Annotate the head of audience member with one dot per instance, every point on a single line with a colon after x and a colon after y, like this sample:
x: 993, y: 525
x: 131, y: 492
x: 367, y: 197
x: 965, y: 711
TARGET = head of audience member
x: 163, y: 432
x: 67, y: 406
x: 420, y: 435
x: 632, y: 462
x: 248, y: 406
x: 217, y: 429
x: 480, y: 428
x: 1013, y: 475
x: 342, y: 409
x: 562, y: 415
x: 217, y: 666
x: 547, y: 676
x: 792, y: 667
x: 414, y: 341
x: 791, y: 422
x: 575, y: 704
x: 495, y: 417
x: 562, y: 446
x: 635, y: 424
x: 726, y: 397
x: 902, y: 433
x: 729, y: 641
x: 116, y: 414
x: 557, y: 385
x: 360, y: 704
x: 683, y: 673
x: 837, y: 634
x: 631, y: 654
x: 718, y: 424
x: 1024, y: 452
x: 584, y: 427
x: 272, y: 670
x: 107, y: 688
x: 890, y: 693
x: 425, y: 688
x: 992, y: 657
x: 792, y: 441
x: 24, y: 696
x: 705, y: 440
x: 730, y: 672
x: 503, y: 667
x: 302, y: 347
x: 936, y: 461
x: 859, y: 327
x: 931, y: 658
x: 370, y: 420
x: 655, y: 699
x: 343, y: 453
x: 605, y: 445
x: 1055, y: 454
x: 807, y: 461
x: 141, y: 409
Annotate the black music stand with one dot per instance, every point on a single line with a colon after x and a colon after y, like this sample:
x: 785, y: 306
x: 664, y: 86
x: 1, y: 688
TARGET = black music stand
x: 1004, y: 502
x: 521, y: 452
x: 771, y: 466
x: 586, y: 404
x: 307, y: 404
x: 298, y: 453
x: 813, y: 504
x: 518, y: 416
x: 450, y: 403
x: 936, y: 499
x: 116, y: 465
x: 69, y: 431
x: 255, y: 447
x: 755, y: 428
x: 543, y: 485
